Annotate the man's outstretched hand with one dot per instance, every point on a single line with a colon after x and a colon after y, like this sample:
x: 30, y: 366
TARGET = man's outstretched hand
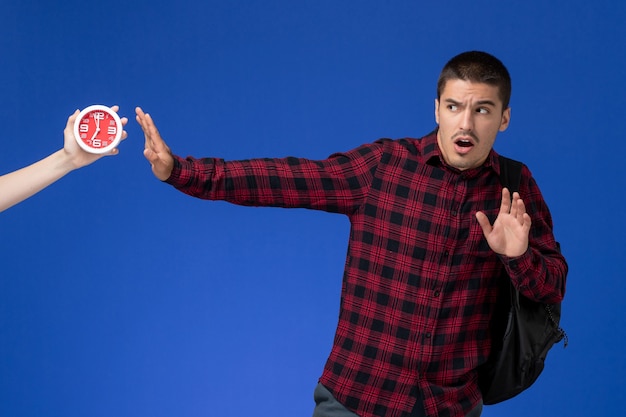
x: 156, y: 150
x: 509, y: 233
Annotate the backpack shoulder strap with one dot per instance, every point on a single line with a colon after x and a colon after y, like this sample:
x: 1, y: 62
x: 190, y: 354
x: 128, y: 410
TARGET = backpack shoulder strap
x: 510, y: 177
x: 510, y: 173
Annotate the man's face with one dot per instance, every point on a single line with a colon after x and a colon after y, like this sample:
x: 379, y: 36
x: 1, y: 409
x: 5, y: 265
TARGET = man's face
x: 469, y: 116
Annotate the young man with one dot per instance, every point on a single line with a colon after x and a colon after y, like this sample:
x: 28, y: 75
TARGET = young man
x: 432, y: 229
x: 18, y: 185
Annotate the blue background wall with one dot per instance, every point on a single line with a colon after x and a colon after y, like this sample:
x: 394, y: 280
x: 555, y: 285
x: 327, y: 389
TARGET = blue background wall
x: 120, y: 296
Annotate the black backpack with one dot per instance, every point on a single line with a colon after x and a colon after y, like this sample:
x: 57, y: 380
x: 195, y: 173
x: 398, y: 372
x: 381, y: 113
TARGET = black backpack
x: 523, y: 331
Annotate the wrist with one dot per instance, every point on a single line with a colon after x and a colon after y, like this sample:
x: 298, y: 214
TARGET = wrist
x: 65, y: 162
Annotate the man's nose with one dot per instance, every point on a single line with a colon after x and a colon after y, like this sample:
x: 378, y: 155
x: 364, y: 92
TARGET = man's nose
x: 467, y: 120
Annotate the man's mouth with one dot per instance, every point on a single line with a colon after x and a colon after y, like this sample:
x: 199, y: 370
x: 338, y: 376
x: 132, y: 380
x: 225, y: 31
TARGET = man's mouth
x: 463, y: 146
x: 464, y: 143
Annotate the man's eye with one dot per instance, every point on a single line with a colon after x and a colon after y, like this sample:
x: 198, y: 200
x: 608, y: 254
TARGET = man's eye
x: 483, y: 110
x: 452, y: 107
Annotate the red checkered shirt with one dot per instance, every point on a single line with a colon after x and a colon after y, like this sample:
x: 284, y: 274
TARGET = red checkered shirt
x: 420, y: 281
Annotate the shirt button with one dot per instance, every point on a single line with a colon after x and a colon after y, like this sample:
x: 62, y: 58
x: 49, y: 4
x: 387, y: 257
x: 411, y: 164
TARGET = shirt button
x: 437, y: 293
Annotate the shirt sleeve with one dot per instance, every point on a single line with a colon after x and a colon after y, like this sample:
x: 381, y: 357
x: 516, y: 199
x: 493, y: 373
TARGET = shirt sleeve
x: 540, y: 273
x: 336, y: 184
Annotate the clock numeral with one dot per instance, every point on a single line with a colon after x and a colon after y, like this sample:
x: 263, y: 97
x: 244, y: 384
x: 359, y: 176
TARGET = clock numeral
x: 99, y: 143
x: 112, y: 130
x: 98, y: 116
x: 83, y: 128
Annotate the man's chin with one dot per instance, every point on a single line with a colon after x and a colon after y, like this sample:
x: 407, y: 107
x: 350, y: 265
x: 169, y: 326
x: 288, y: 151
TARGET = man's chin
x: 463, y: 162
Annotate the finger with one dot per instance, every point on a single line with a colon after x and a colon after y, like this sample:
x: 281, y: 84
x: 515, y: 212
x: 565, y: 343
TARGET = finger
x: 158, y: 145
x: 154, y: 132
x: 483, y: 221
x: 141, y: 120
x: 505, y: 204
x: 140, y: 115
x: 156, y: 164
x: 144, y: 120
x: 527, y: 223
x: 151, y: 156
x: 519, y: 202
x: 149, y: 131
x: 520, y: 209
x: 69, y: 126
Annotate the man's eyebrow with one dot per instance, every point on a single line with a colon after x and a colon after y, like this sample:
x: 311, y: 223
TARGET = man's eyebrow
x: 479, y: 102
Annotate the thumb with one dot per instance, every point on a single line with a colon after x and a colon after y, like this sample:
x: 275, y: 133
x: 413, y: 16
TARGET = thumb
x: 483, y: 221
x: 150, y: 155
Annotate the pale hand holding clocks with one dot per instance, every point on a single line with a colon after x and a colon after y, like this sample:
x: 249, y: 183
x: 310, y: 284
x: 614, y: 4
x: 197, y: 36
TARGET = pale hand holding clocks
x: 98, y: 129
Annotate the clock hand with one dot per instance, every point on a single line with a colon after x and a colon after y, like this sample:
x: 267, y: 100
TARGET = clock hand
x: 97, y: 119
x: 95, y: 133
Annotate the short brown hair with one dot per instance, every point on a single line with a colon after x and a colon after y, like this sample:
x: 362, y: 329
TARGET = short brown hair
x: 480, y: 67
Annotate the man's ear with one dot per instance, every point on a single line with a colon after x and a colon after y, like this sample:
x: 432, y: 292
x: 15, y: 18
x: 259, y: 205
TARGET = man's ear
x: 506, y: 119
x: 437, y: 110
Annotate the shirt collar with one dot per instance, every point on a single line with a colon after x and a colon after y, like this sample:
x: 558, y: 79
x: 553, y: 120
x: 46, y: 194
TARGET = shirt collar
x: 432, y: 154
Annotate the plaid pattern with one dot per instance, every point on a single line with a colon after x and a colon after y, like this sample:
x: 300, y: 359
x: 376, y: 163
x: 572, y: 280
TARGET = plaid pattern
x: 419, y: 284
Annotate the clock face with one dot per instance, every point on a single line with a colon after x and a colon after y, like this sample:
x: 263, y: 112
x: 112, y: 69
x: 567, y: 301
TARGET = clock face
x: 98, y: 129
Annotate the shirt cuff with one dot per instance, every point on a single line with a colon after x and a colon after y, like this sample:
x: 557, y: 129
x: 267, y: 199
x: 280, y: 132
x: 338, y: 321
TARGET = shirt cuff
x: 175, y: 177
x: 516, y: 267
